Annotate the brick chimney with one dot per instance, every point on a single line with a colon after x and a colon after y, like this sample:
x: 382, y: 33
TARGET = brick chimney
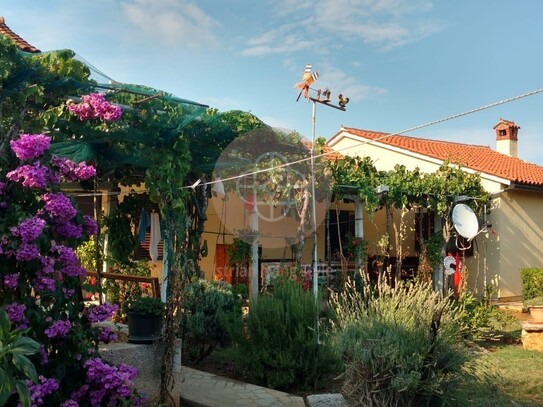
x: 507, y: 137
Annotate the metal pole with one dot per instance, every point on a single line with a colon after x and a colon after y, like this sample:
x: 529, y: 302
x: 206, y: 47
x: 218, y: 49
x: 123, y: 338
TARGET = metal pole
x: 253, y: 289
x: 313, y: 209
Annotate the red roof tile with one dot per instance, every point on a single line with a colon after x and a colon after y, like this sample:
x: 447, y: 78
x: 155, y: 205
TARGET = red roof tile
x: 479, y: 158
x: 19, y: 42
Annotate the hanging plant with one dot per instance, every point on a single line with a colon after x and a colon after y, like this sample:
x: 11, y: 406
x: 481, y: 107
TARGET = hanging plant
x: 239, y: 252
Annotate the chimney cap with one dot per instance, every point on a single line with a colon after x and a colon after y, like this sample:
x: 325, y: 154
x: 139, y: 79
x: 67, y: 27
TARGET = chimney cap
x: 508, y: 123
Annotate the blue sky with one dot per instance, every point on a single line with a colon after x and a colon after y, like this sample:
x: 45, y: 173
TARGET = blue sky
x: 402, y: 63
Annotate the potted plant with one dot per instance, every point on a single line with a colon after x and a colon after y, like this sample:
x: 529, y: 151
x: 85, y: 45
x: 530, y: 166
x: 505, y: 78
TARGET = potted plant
x: 535, y: 305
x: 144, y: 317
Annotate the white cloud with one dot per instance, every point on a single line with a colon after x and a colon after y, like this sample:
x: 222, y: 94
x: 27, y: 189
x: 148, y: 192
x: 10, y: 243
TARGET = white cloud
x: 176, y: 22
x: 339, y: 82
x: 289, y: 43
x: 384, y: 24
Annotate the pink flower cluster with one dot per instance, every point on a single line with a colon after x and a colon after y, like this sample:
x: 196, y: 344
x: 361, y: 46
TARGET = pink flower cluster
x: 95, y: 106
x: 72, y: 171
x: 31, y: 176
x: 30, y: 146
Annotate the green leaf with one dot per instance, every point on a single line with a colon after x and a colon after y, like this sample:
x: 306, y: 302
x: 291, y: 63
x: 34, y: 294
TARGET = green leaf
x: 6, y: 386
x: 25, y: 366
x: 5, y: 324
x: 24, y: 393
x: 25, y: 346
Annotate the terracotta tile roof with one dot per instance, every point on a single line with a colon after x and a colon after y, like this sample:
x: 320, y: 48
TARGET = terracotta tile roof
x: 479, y: 158
x: 22, y: 44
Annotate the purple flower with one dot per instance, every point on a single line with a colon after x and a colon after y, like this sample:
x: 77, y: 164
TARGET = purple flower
x: 70, y: 403
x: 74, y: 270
x: 16, y: 312
x: 2, y: 186
x: 112, y: 383
x: 44, y: 356
x: 41, y: 283
x: 31, y: 176
x: 30, y: 145
x: 39, y: 390
x: 66, y: 255
x: 102, y: 312
x: 68, y: 292
x: 91, y: 227
x: 47, y: 265
x: 79, y: 394
x: 27, y: 252
x: 58, y: 329
x: 11, y: 280
x: 59, y: 206
x: 68, y: 230
x: 29, y: 229
x: 106, y: 334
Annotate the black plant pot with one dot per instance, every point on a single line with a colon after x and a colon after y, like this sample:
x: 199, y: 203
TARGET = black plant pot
x: 143, y: 328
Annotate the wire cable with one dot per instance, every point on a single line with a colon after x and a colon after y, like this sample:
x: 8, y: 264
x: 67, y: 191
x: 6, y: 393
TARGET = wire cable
x: 428, y: 124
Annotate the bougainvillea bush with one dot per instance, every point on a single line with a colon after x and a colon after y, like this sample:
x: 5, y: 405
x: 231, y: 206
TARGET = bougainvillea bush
x: 40, y: 280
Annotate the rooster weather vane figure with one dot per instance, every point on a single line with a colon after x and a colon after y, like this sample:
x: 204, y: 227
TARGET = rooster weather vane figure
x: 323, y: 96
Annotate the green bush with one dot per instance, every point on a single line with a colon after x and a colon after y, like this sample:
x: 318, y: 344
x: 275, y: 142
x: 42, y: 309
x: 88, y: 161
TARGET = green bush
x: 15, y: 366
x: 279, y: 345
x: 532, y: 282
x: 205, y: 306
x: 486, y: 323
x: 402, y: 346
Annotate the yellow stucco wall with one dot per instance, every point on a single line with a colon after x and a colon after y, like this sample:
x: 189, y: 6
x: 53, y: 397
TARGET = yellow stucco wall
x: 515, y: 239
x: 521, y: 237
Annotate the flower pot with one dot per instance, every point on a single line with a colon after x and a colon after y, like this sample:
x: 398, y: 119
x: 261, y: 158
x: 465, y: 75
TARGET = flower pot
x: 143, y: 328
x: 536, y: 311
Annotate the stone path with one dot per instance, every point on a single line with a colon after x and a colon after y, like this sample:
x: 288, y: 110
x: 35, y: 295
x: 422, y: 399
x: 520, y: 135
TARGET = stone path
x: 206, y: 389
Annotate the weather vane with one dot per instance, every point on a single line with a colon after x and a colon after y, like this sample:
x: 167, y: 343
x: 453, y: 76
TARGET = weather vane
x: 308, y: 77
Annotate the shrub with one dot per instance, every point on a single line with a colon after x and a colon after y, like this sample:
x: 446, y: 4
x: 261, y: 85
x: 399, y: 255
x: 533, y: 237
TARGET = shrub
x: 532, y: 282
x: 280, y: 346
x: 205, y: 307
x: 401, y: 346
x: 145, y: 305
x: 40, y: 275
x: 15, y: 366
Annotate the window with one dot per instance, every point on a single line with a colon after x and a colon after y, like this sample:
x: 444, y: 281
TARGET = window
x: 339, y: 224
x: 424, y: 227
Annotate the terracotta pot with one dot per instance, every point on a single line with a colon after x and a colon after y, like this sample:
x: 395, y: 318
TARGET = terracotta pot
x: 536, y: 311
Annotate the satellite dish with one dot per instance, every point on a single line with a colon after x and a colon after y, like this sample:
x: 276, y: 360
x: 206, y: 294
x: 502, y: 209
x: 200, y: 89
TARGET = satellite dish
x: 465, y: 221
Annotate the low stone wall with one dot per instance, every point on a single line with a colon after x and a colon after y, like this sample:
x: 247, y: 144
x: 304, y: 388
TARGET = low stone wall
x: 147, y: 359
x: 532, y: 336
